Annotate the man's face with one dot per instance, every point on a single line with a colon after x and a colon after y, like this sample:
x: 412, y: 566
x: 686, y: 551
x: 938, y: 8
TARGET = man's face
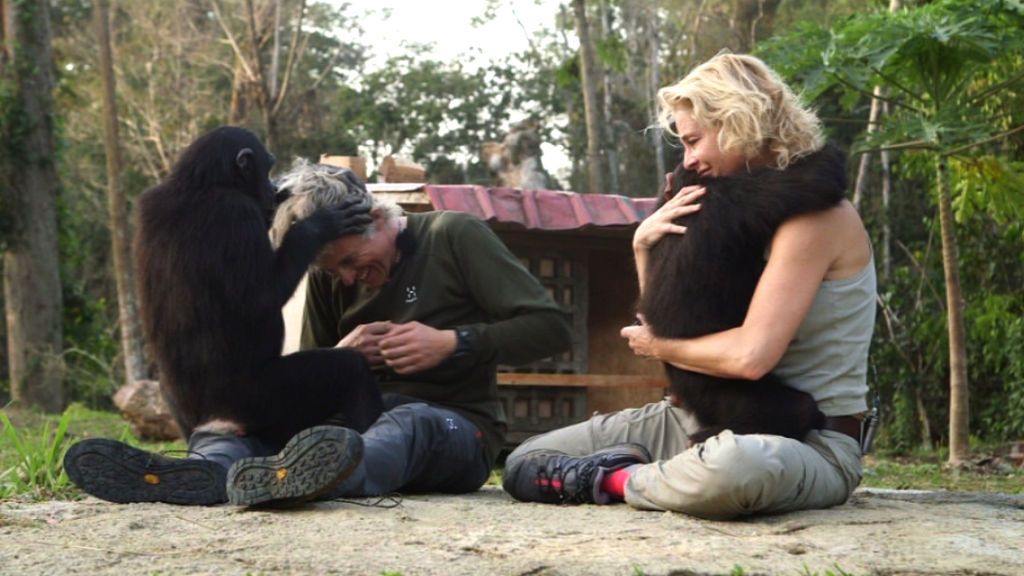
x: 358, y: 259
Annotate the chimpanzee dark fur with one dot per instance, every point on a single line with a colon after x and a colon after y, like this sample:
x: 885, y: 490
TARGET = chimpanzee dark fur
x: 702, y: 282
x: 212, y: 287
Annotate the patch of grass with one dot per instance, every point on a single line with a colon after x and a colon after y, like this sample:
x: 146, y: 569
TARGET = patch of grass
x: 835, y: 570
x: 929, y: 472
x: 33, y: 458
x: 32, y: 448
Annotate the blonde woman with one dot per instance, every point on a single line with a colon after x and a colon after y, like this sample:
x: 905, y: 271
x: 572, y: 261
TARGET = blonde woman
x: 809, y: 321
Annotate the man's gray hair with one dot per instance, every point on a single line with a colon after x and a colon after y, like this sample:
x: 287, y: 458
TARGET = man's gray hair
x: 314, y: 186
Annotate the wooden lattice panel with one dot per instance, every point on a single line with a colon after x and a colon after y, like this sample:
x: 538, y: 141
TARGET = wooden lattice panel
x: 564, y: 275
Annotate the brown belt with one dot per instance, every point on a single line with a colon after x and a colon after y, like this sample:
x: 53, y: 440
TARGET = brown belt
x: 849, y: 425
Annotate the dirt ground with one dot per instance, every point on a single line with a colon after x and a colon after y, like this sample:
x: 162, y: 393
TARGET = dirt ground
x: 877, y: 532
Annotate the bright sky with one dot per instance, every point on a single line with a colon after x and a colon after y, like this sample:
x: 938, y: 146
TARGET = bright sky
x: 448, y: 26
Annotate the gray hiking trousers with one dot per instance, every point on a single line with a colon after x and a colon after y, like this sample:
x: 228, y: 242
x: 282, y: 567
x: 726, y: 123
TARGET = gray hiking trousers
x: 729, y: 475
x: 412, y: 447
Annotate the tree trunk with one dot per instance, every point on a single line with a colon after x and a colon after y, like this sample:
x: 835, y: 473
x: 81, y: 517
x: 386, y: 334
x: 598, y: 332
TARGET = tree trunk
x: 609, y: 143
x: 874, y: 115
x: 654, y: 85
x: 131, y: 329
x: 32, y: 289
x: 958, y: 392
x: 865, y: 159
x: 259, y: 80
x: 886, y: 192
x: 595, y: 180
x: 752, y: 20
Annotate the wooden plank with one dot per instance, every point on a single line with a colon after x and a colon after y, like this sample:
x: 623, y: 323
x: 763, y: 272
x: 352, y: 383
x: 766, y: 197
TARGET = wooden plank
x: 582, y: 380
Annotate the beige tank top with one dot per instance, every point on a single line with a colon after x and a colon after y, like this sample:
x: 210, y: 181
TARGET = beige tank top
x: 829, y: 356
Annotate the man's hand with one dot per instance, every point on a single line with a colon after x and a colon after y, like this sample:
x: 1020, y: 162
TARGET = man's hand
x: 640, y: 338
x: 414, y: 347
x: 366, y: 339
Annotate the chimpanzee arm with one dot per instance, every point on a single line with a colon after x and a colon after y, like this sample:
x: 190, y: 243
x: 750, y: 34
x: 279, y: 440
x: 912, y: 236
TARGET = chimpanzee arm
x: 305, y: 238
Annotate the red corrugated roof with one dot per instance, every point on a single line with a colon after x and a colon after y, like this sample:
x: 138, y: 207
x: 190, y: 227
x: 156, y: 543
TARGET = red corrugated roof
x: 541, y: 209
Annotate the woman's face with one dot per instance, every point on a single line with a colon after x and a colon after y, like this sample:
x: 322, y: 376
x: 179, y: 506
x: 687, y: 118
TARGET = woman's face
x: 701, y: 151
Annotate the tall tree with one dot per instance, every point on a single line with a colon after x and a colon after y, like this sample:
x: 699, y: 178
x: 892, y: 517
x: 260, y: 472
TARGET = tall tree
x: 933, y: 62
x: 588, y: 80
x: 264, y: 83
x: 131, y: 330
x: 32, y: 289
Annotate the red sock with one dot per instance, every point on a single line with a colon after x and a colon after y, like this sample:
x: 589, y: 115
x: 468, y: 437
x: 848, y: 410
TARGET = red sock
x: 614, y: 483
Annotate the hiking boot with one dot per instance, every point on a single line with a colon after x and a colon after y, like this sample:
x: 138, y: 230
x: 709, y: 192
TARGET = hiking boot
x: 116, y: 472
x: 312, y: 463
x: 553, y: 477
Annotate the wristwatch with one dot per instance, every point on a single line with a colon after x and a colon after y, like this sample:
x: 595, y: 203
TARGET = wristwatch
x: 463, y: 342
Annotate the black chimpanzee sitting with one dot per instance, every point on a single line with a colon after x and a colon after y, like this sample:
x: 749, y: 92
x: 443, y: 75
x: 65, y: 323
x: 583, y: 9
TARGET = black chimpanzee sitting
x: 211, y: 288
x: 702, y: 282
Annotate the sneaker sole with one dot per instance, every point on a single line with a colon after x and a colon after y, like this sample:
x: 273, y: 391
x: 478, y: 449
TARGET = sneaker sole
x: 116, y: 472
x: 312, y: 463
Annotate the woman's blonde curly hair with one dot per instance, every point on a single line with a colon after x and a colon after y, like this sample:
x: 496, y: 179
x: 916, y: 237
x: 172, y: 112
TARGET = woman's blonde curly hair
x: 753, y: 108
x: 314, y: 186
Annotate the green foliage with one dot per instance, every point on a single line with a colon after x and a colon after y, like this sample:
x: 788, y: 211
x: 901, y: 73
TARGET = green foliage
x: 424, y: 108
x: 926, y: 470
x: 32, y: 448
x: 32, y: 463
x: 988, y: 184
x: 952, y: 74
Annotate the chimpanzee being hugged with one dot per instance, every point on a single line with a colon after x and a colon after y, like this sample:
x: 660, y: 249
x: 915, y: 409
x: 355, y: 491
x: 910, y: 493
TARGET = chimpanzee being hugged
x: 212, y: 288
x: 702, y: 282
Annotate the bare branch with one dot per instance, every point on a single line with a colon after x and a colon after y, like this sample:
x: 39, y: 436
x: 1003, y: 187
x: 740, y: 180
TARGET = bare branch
x: 526, y: 34
x: 923, y: 275
x: 902, y: 88
x: 915, y: 145
x: 231, y: 40
x: 856, y: 88
x: 292, y: 57
x: 995, y: 88
x: 959, y: 149
x: 325, y: 73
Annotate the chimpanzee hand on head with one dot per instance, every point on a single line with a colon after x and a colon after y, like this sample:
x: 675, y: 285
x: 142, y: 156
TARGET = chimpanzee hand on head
x: 347, y: 176
x: 351, y: 216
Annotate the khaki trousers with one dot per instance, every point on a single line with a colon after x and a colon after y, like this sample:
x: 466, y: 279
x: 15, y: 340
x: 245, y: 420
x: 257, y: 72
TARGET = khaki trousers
x: 729, y: 475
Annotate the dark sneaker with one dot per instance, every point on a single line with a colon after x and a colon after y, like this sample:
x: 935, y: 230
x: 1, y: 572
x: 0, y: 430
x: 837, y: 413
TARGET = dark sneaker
x: 553, y: 477
x: 312, y: 463
x: 116, y: 472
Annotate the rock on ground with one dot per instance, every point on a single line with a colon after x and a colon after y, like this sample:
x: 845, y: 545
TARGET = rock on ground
x: 877, y: 532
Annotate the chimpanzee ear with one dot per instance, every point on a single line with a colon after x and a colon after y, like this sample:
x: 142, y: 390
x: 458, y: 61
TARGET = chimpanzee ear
x: 244, y: 157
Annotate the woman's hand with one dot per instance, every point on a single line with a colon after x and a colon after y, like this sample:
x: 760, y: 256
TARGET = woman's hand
x: 657, y: 225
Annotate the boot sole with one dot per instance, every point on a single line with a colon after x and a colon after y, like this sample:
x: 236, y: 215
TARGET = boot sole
x: 116, y: 472
x: 311, y: 464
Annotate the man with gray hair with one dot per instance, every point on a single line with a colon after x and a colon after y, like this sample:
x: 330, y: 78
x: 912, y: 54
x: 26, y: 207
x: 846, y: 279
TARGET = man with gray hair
x: 435, y: 302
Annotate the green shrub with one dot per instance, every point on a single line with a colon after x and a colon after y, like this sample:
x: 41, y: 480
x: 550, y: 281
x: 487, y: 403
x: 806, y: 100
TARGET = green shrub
x: 31, y: 461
